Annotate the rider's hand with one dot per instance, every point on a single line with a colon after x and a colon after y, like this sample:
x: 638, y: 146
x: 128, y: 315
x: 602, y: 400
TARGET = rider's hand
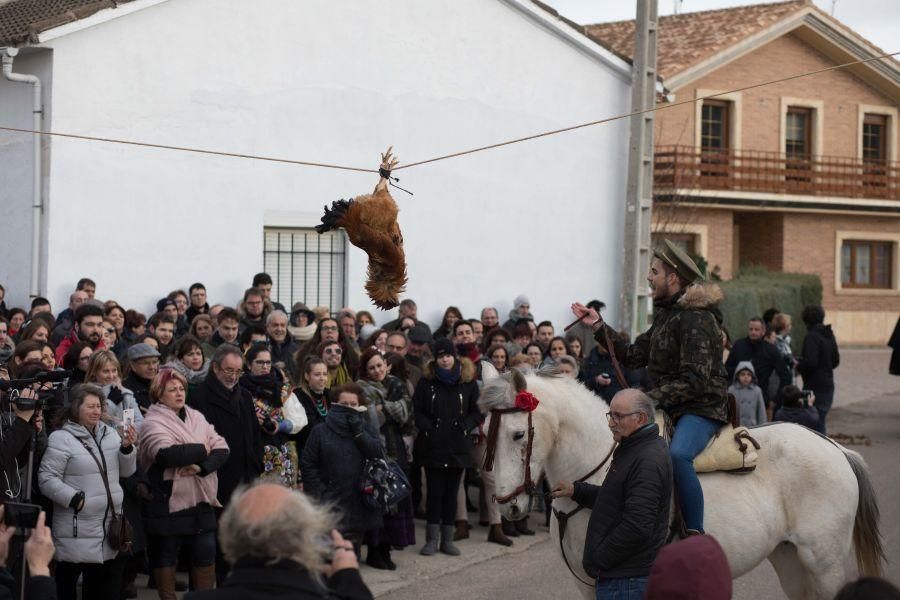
x: 588, y: 316
x: 563, y: 489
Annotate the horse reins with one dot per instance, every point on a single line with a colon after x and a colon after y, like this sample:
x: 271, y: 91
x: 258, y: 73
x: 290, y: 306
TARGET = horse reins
x: 529, y: 486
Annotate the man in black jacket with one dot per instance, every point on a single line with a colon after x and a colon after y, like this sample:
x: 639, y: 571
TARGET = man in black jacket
x: 229, y: 408
x: 630, y: 509
x: 765, y: 358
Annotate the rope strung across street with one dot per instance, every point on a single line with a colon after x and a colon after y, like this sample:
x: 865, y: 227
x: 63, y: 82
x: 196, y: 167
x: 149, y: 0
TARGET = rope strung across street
x: 444, y: 156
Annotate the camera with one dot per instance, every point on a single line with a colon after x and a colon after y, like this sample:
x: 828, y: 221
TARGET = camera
x: 21, y: 515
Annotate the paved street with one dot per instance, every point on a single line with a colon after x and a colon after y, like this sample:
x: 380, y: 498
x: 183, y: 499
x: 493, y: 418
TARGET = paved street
x: 867, y: 403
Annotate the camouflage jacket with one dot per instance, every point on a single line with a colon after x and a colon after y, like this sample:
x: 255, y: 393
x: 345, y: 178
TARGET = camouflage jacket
x: 682, y: 351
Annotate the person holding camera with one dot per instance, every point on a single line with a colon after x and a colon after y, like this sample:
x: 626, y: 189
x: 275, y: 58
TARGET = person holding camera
x: 39, y: 550
x: 80, y: 473
x: 20, y: 418
x: 282, y: 545
x: 798, y: 406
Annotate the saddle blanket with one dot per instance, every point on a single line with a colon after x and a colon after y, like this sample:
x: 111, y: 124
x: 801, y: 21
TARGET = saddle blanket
x: 731, y: 449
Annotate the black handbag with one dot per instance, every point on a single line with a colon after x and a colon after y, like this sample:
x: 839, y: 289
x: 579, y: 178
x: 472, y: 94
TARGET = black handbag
x: 119, y: 532
x: 384, y: 483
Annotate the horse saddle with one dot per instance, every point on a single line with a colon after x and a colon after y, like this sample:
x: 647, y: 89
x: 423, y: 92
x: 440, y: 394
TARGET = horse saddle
x: 732, y: 449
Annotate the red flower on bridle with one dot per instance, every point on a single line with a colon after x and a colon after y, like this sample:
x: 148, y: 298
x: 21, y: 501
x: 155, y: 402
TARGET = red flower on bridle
x: 526, y: 401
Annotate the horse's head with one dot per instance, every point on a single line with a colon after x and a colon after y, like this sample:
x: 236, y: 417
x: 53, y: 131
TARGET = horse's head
x: 509, y: 438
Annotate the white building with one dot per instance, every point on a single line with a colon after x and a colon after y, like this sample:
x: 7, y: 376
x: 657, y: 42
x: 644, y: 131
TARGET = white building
x: 317, y: 80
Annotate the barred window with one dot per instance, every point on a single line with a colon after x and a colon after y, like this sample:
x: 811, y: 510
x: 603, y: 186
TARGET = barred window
x: 306, y: 266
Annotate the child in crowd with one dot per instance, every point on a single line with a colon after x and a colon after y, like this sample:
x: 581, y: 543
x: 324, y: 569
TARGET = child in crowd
x: 749, y: 396
x: 797, y: 408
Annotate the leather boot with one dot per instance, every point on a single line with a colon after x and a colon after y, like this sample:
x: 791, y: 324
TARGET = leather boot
x: 495, y: 535
x: 447, y: 545
x: 203, y: 578
x: 386, y: 555
x: 508, y: 527
x: 522, y: 527
x: 375, y: 559
x: 165, y: 583
x: 462, y: 531
x: 431, y: 540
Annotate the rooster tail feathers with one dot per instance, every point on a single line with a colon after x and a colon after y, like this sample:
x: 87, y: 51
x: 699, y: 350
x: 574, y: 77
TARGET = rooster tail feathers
x: 385, y: 286
x: 334, y: 216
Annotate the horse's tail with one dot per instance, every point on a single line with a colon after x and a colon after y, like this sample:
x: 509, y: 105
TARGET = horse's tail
x: 867, y: 542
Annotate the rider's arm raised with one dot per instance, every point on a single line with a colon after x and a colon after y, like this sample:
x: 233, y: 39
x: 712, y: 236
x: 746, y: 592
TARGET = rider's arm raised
x: 632, y: 356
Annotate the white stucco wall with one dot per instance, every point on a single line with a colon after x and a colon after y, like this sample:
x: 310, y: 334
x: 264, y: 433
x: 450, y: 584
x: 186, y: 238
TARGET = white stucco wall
x: 336, y: 82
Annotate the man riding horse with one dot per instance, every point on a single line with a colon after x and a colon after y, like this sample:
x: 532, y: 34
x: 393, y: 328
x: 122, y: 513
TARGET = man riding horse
x: 682, y: 352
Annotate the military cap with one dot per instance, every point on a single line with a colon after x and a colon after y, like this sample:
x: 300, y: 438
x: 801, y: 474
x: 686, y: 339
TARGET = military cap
x: 678, y: 259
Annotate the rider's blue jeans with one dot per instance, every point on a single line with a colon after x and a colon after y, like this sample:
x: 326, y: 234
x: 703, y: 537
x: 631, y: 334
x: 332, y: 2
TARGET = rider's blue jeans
x: 692, y: 434
x: 628, y: 588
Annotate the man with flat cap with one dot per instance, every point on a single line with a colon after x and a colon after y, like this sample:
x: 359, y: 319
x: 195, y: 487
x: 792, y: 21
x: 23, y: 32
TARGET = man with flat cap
x: 682, y: 352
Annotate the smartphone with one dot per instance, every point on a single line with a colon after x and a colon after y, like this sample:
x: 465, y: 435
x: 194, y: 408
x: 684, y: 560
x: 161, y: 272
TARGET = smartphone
x: 24, y: 516
x: 127, y: 418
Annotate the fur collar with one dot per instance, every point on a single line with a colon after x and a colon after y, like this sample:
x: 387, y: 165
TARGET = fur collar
x: 466, y: 372
x: 700, y: 296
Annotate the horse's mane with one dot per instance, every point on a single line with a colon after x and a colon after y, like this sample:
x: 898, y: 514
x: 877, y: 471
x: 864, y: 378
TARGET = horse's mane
x: 495, y: 394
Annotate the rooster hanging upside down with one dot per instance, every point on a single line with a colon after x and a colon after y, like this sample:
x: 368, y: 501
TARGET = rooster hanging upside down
x: 371, y: 224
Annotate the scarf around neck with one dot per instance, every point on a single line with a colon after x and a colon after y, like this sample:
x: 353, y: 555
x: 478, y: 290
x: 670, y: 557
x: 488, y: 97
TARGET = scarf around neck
x: 448, y: 376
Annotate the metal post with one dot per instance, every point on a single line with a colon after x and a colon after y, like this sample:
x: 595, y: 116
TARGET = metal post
x: 639, y: 192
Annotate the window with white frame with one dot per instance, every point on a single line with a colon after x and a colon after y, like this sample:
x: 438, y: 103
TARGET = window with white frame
x: 306, y: 266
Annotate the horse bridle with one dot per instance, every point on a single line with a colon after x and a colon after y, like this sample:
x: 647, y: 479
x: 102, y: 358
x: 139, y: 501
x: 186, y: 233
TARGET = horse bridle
x: 529, y: 486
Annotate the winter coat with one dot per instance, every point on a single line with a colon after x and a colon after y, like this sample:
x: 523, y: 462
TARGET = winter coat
x: 630, y: 509
x: 396, y: 416
x: 159, y: 519
x: 251, y: 579
x: 313, y: 416
x: 67, y: 469
x: 766, y: 360
x: 332, y: 466
x: 121, y: 399
x: 894, y: 343
x: 804, y: 415
x: 139, y: 388
x: 819, y: 360
x: 283, y: 354
x: 192, y: 311
x: 598, y: 363
x: 682, y: 351
x: 446, y: 415
x: 67, y: 342
x: 750, y: 399
x: 14, y: 446
x: 233, y: 415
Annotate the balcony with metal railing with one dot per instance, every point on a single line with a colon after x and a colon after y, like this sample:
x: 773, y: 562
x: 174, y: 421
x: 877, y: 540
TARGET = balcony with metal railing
x: 681, y: 170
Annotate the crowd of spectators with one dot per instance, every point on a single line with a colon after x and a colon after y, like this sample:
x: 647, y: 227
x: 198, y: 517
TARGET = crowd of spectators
x: 174, y: 414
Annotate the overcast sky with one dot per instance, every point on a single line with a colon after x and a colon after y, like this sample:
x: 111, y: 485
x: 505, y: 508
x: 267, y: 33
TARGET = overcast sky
x: 876, y: 20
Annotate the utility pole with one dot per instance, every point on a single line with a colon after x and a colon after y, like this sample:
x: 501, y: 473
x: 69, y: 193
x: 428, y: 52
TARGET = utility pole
x: 639, y: 192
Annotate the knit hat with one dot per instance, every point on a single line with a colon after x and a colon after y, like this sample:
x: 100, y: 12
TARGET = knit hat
x: 695, y: 567
x: 444, y: 346
x: 419, y: 335
x: 164, y: 302
x: 520, y: 300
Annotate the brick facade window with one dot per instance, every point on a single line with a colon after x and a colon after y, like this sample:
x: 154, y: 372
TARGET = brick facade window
x: 866, y: 264
x: 714, y: 132
x: 798, y: 142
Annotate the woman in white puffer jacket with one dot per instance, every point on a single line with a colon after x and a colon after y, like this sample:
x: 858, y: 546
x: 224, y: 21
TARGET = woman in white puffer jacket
x: 70, y: 477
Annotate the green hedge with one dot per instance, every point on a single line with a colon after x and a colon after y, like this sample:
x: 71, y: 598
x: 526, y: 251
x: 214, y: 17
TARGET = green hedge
x: 755, y: 290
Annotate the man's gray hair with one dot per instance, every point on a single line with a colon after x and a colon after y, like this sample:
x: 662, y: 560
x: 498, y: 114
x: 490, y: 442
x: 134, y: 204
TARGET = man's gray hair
x: 276, y: 314
x: 496, y: 312
x: 299, y: 531
x: 642, y: 403
x: 224, y: 350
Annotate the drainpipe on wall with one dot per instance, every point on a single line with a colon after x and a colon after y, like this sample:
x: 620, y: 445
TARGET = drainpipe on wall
x: 37, y: 205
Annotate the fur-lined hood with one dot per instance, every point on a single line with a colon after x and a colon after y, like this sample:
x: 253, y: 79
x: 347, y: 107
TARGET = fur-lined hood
x: 700, y: 296
x: 467, y: 370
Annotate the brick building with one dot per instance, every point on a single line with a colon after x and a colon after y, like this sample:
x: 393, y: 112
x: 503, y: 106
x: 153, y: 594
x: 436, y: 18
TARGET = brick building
x: 798, y: 176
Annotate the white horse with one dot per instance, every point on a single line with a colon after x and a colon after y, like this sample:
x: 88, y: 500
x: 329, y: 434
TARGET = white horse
x: 809, y: 507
